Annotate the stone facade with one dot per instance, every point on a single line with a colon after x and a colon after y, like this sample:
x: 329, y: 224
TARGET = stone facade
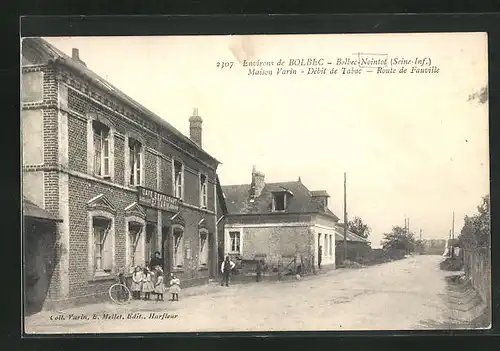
x: 66, y: 103
x: 278, y: 236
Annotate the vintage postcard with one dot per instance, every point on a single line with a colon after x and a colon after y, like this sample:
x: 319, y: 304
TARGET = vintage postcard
x: 255, y: 183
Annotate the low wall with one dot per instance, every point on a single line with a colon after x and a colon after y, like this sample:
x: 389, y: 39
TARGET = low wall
x: 477, y: 267
x: 355, y: 252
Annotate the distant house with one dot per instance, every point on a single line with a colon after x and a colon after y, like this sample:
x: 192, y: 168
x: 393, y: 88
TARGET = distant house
x: 357, y: 246
x: 433, y: 246
x: 278, y: 223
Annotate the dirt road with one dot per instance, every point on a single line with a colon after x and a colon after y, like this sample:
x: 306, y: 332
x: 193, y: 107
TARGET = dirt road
x: 400, y: 295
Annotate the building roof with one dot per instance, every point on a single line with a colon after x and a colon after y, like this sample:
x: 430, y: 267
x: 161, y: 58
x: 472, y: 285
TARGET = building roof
x: 319, y: 193
x: 34, y: 211
x: 238, y: 199
x: 351, y: 237
x: 57, y: 55
x: 220, y: 196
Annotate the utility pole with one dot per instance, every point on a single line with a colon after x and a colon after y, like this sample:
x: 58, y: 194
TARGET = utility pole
x: 408, y: 227
x: 345, y: 216
x: 420, y: 236
x: 453, y: 226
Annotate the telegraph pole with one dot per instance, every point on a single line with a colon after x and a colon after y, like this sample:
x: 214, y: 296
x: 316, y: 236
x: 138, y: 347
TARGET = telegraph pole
x: 453, y: 226
x: 408, y: 227
x: 345, y: 216
x: 420, y: 237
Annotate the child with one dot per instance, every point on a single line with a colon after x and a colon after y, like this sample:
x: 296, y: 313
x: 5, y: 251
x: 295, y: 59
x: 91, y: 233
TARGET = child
x: 136, y: 285
x: 175, y: 287
x: 147, y: 284
x: 159, y: 285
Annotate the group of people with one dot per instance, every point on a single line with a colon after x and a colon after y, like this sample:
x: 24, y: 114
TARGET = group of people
x: 149, y: 280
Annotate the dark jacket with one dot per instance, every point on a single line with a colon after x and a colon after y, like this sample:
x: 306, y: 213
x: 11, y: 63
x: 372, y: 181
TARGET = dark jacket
x: 156, y: 262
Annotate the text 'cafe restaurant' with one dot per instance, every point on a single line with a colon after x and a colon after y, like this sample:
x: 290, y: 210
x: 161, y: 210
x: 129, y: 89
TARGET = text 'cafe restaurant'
x: 183, y: 236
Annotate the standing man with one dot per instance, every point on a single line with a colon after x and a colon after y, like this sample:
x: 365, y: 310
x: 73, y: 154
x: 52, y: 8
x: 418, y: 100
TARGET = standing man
x: 225, y: 269
x: 320, y: 253
x: 259, y: 270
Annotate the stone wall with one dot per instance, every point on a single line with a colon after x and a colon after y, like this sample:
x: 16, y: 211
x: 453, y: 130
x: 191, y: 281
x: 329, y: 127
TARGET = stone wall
x: 477, y: 266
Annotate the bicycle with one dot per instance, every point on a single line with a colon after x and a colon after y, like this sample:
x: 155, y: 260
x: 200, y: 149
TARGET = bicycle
x: 119, y: 293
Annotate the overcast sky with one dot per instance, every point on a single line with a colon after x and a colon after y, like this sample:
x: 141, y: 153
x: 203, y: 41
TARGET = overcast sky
x: 412, y: 145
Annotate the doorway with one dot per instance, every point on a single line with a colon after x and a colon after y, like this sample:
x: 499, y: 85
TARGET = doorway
x: 150, y: 241
x: 165, y: 249
x: 39, y: 246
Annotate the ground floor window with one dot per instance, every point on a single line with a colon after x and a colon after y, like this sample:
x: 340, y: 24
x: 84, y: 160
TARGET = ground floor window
x: 203, y: 248
x: 103, y: 250
x: 135, y: 232
x: 178, y: 248
x: 234, y: 242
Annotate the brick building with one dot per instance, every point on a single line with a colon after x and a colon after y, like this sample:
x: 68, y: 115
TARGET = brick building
x: 40, y: 233
x: 278, y: 222
x: 124, y: 182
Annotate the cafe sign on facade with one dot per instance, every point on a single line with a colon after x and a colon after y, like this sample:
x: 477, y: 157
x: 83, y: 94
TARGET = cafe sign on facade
x: 154, y: 199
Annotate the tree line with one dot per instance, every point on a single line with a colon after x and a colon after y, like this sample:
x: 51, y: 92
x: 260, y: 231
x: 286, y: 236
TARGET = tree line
x: 475, y: 233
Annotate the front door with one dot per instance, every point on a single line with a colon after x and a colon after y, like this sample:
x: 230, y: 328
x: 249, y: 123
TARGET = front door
x: 165, y: 251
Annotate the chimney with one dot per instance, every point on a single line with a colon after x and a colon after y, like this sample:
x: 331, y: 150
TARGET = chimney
x: 195, y: 122
x: 75, y: 55
x: 258, y: 183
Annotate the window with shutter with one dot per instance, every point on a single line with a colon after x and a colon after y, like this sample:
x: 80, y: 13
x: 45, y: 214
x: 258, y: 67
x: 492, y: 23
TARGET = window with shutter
x: 101, y: 135
x: 135, y: 157
x: 203, y: 191
x: 178, y: 179
x: 203, y: 249
x: 103, y: 259
x: 178, y: 254
x: 135, y: 232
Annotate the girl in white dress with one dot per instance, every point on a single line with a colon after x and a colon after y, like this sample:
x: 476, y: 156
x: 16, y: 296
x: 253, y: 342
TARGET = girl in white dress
x: 175, y: 287
x: 159, y: 284
x: 136, y: 285
x: 147, y: 284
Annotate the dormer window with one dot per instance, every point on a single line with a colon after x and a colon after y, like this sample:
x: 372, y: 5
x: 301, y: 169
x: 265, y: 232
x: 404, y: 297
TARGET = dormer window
x: 321, y: 197
x: 279, y: 201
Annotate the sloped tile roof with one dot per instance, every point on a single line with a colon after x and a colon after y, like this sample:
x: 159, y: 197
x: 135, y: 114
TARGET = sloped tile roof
x: 59, y: 56
x: 339, y: 236
x: 34, y: 211
x: 238, y: 199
